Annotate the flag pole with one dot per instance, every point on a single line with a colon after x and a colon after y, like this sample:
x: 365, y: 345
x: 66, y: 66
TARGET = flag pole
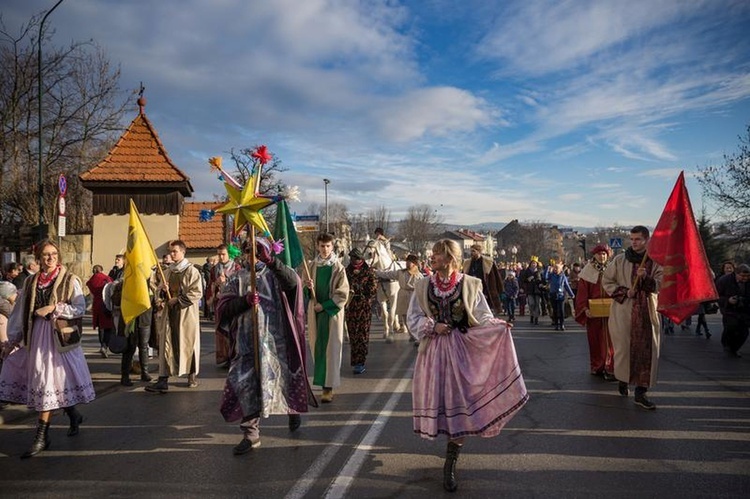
x: 309, y: 277
x: 642, y: 264
x: 158, y: 266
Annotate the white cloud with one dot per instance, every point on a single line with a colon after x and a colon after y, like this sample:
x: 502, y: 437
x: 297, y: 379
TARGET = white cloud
x: 431, y: 111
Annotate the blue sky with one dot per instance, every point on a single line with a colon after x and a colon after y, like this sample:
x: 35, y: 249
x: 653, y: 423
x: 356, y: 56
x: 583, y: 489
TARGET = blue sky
x: 573, y: 112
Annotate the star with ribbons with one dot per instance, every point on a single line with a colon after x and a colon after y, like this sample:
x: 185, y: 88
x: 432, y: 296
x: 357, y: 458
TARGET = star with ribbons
x: 245, y: 205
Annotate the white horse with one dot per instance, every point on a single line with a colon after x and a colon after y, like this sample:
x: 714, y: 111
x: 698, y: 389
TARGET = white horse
x: 378, y: 256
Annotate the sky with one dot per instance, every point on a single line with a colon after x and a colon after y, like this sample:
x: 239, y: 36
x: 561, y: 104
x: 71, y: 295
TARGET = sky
x: 578, y: 113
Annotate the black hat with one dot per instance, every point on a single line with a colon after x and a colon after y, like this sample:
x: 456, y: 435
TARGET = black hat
x: 356, y: 253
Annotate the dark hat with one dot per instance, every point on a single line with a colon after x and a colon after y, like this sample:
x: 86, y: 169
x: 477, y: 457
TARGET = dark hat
x: 356, y: 253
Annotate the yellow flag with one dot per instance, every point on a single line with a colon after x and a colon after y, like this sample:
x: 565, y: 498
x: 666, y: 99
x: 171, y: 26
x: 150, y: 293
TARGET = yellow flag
x: 139, y: 260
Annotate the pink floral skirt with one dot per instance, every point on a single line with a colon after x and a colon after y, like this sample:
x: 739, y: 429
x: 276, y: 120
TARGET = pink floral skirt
x: 467, y: 384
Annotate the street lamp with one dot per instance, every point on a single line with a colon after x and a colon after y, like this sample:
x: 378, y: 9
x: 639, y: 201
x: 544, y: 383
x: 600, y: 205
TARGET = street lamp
x: 326, y: 182
x: 502, y: 255
x: 513, y: 251
x: 40, y: 183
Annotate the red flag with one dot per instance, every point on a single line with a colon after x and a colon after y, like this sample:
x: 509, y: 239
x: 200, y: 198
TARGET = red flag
x: 676, y: 245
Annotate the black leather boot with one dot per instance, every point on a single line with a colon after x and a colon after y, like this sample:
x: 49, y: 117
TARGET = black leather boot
x: 449, y: 468
x: 75, y: 420
x: 41, y: 440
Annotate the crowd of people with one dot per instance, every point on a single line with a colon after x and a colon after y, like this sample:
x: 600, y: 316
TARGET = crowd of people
x: 458, y: 312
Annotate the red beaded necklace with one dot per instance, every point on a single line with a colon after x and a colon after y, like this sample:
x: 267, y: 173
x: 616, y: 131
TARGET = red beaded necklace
x: 445, y: 286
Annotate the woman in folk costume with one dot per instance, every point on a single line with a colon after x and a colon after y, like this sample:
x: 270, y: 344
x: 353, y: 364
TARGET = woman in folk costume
x: 363, y: 287
x: 44, y: 374
x: 328, y: 289
x: 467, y: 381
x: 601, y: 352
x: 406, y: 278
x: 279, y: 384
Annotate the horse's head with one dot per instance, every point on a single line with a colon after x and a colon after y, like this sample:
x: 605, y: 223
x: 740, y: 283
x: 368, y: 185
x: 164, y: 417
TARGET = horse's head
x: 371, y: 254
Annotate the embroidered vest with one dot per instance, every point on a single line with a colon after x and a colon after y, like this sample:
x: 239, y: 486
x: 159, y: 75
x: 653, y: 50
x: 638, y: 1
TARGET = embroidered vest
x: 62, y: 291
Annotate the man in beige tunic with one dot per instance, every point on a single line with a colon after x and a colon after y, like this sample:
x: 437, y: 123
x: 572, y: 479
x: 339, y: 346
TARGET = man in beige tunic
x: 633, y: 281
x: 178, y: 321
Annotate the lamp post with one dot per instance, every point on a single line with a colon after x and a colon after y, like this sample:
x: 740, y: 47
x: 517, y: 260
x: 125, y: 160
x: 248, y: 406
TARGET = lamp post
x: 514, y: 251
x: 502, y: 256
x: 326, y: 182
x: 40, y: 183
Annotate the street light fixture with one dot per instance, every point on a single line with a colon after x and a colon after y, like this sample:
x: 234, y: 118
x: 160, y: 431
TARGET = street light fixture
x: 40, y: 183
x: 326, y: 182
x: 514, y: 251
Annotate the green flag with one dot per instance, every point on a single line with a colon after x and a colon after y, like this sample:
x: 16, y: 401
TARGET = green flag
x: 284, y: 231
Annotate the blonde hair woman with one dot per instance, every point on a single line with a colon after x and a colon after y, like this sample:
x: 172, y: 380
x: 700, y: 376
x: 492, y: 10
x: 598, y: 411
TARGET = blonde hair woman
x: 45, y: 374
x: 467, y: 381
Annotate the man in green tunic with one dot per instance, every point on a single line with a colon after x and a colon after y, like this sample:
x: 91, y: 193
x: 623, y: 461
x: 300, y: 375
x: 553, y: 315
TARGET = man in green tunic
x: 328, y: 289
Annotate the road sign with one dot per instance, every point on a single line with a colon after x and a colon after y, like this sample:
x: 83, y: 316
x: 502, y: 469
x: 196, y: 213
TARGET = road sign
x: 307, y: 226
x: 307, y: 218
x: 62, y: 184
x: 61, y: 205
x: 61, y: 226
x: 615, y: 243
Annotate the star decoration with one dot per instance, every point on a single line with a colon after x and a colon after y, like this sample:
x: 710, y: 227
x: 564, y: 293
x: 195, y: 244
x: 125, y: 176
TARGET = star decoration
x: 245, y: 205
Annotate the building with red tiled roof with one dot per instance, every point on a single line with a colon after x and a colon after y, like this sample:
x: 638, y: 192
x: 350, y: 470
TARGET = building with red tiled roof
x: 203, y: 236
x: 139, y: 168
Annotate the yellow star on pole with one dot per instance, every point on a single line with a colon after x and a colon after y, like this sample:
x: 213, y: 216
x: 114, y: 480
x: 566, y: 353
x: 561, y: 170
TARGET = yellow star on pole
x: 245, y: 205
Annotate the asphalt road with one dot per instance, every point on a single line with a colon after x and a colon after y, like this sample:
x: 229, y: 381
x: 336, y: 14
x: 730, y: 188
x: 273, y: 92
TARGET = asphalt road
x: 575, y: 438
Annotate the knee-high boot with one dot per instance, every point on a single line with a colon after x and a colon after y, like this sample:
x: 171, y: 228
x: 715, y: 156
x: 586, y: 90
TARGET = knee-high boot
x: 75, y: 420
x: 41, y: 440
x: 449, y: 468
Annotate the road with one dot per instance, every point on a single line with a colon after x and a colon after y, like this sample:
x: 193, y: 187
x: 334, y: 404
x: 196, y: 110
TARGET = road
x: 576, y: 437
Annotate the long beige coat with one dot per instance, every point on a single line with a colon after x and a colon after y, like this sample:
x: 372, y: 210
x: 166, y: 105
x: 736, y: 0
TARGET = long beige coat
x: 618, y: 273
x: 187, y: 323
x: 339, y: 286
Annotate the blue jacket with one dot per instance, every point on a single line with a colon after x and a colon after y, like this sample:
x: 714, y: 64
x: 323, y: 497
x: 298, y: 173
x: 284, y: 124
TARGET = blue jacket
x: 559, y: 286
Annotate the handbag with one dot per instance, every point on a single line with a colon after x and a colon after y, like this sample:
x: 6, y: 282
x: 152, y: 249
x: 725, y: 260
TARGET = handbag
x: 599, y: 307
x: 117, y: 343
x: 68, y: 333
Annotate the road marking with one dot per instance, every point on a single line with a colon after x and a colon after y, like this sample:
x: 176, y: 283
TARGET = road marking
x: 347, y: 474
x: 307, y: 480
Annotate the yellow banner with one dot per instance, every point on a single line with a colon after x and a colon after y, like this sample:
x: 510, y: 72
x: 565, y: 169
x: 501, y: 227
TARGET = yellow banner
x: 139, y: 260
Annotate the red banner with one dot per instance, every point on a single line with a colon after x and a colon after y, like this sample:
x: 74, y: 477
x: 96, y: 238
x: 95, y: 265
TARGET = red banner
x: 677, y: 246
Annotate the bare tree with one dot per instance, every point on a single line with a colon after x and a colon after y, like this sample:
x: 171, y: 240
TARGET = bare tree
x: 82, y: 108
x: 378, y: 218
x: 419, y: 227
x: 728, y: 185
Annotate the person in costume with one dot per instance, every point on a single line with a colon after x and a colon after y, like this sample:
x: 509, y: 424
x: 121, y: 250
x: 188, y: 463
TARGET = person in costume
x: 363, y: 287
x: 633, y: 281
x: 101, y: 318
x: 328, y: 290
x: 601, y: 351
x: 43, y: 373
x: 406, y: 278
x: 178, y: 322
x: 483, y: 268
x: 467, y: 381
x: 226, y: 266
x: 279, y: 385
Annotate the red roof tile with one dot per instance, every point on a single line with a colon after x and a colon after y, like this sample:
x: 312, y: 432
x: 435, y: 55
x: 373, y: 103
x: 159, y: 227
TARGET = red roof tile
x: 139, y: 156
x: 197, y: 234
